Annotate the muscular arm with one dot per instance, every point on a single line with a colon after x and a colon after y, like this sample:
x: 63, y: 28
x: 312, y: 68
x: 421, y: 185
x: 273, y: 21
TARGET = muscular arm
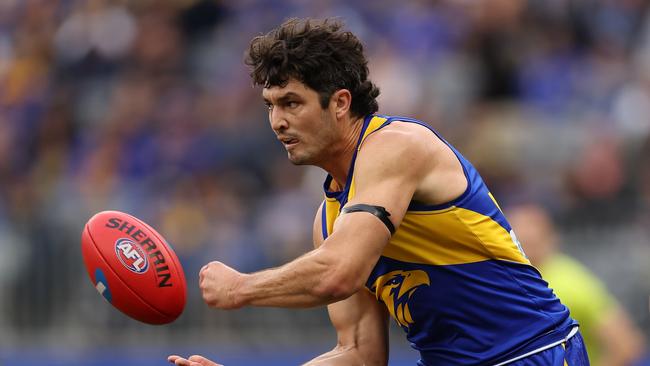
x: 361, y: 324
x: 325, y: 275
x: 340, y: 266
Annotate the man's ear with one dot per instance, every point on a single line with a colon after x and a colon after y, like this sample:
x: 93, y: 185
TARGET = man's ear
x: 341, y: 101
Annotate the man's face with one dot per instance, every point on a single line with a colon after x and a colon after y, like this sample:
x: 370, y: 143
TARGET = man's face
x: 305, y: 129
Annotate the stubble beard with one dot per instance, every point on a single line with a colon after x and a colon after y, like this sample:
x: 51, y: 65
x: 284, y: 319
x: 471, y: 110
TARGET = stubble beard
x: 300, y: 159
x: 311, y: 155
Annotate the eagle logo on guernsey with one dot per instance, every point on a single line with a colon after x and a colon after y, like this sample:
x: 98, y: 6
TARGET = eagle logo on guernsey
x: 131, y: 255
x: 396, y: 288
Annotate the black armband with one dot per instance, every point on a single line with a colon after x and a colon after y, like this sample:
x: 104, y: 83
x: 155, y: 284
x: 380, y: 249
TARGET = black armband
x: 378, y: 211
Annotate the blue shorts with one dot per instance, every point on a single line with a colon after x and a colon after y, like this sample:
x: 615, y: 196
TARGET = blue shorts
x: 570, y: 353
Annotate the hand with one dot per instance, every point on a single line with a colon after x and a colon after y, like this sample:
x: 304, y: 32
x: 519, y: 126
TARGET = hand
x: 192, y: 361
x: 218, y: 284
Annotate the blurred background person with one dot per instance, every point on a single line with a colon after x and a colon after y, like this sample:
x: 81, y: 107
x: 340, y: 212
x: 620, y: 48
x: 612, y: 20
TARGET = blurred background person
x: 612, y: 339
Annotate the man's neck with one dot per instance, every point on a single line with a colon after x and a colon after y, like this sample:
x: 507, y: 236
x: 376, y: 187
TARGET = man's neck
x: 338, y: 164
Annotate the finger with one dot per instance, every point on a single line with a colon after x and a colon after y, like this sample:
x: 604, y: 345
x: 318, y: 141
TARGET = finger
x: 202, y: 272
x: 180, y: 361
x: 173, y: 358
x: 203, y: 361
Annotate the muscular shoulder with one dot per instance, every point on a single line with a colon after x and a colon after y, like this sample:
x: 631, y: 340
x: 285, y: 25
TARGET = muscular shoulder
x: 398, y: 133
x: 402, y: 147
x: 415, y: 158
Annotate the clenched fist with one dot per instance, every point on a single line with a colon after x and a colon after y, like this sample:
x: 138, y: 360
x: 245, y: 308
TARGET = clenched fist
x: 219, y: 284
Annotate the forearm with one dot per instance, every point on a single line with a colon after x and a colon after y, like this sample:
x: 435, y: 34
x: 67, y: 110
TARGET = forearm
x: 305, y: 282
x: 345, y: 356
x: 332, y: 272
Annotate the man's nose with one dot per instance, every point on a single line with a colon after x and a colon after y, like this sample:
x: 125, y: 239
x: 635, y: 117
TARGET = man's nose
x: 278, y: 120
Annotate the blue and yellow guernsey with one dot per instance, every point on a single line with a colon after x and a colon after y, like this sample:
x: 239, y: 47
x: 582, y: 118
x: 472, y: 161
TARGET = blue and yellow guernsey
x: 454, y: 277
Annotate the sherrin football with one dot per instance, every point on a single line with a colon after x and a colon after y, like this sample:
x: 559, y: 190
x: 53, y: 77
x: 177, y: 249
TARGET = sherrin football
x: 133, y: 267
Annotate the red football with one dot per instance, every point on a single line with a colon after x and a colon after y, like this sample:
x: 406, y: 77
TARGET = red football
x: 133, y: 267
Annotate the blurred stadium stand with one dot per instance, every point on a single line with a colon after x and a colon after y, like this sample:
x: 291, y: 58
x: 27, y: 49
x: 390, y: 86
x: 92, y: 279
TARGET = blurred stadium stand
x: 146, y: 107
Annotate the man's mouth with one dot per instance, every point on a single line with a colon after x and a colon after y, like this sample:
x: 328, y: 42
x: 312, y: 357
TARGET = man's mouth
x: 289, y: 141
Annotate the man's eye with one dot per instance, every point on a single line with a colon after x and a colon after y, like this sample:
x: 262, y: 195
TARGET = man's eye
x: 292, y: 105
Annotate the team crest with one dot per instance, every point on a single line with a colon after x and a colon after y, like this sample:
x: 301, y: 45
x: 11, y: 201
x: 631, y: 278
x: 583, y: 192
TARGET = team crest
x: 131, y: 255
x: 396, y: 288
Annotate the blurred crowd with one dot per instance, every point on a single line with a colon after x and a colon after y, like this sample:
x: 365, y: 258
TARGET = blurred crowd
x: 146, y: 107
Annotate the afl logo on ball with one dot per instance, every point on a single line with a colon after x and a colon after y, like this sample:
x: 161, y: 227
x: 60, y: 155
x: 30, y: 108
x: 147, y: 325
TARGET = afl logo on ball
x: 131, y: 255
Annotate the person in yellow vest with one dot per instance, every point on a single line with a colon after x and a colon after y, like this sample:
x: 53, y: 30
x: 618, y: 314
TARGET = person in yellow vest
x: 610, y: 336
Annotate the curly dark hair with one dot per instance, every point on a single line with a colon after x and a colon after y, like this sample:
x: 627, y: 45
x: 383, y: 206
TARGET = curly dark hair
x: 318, y: 53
